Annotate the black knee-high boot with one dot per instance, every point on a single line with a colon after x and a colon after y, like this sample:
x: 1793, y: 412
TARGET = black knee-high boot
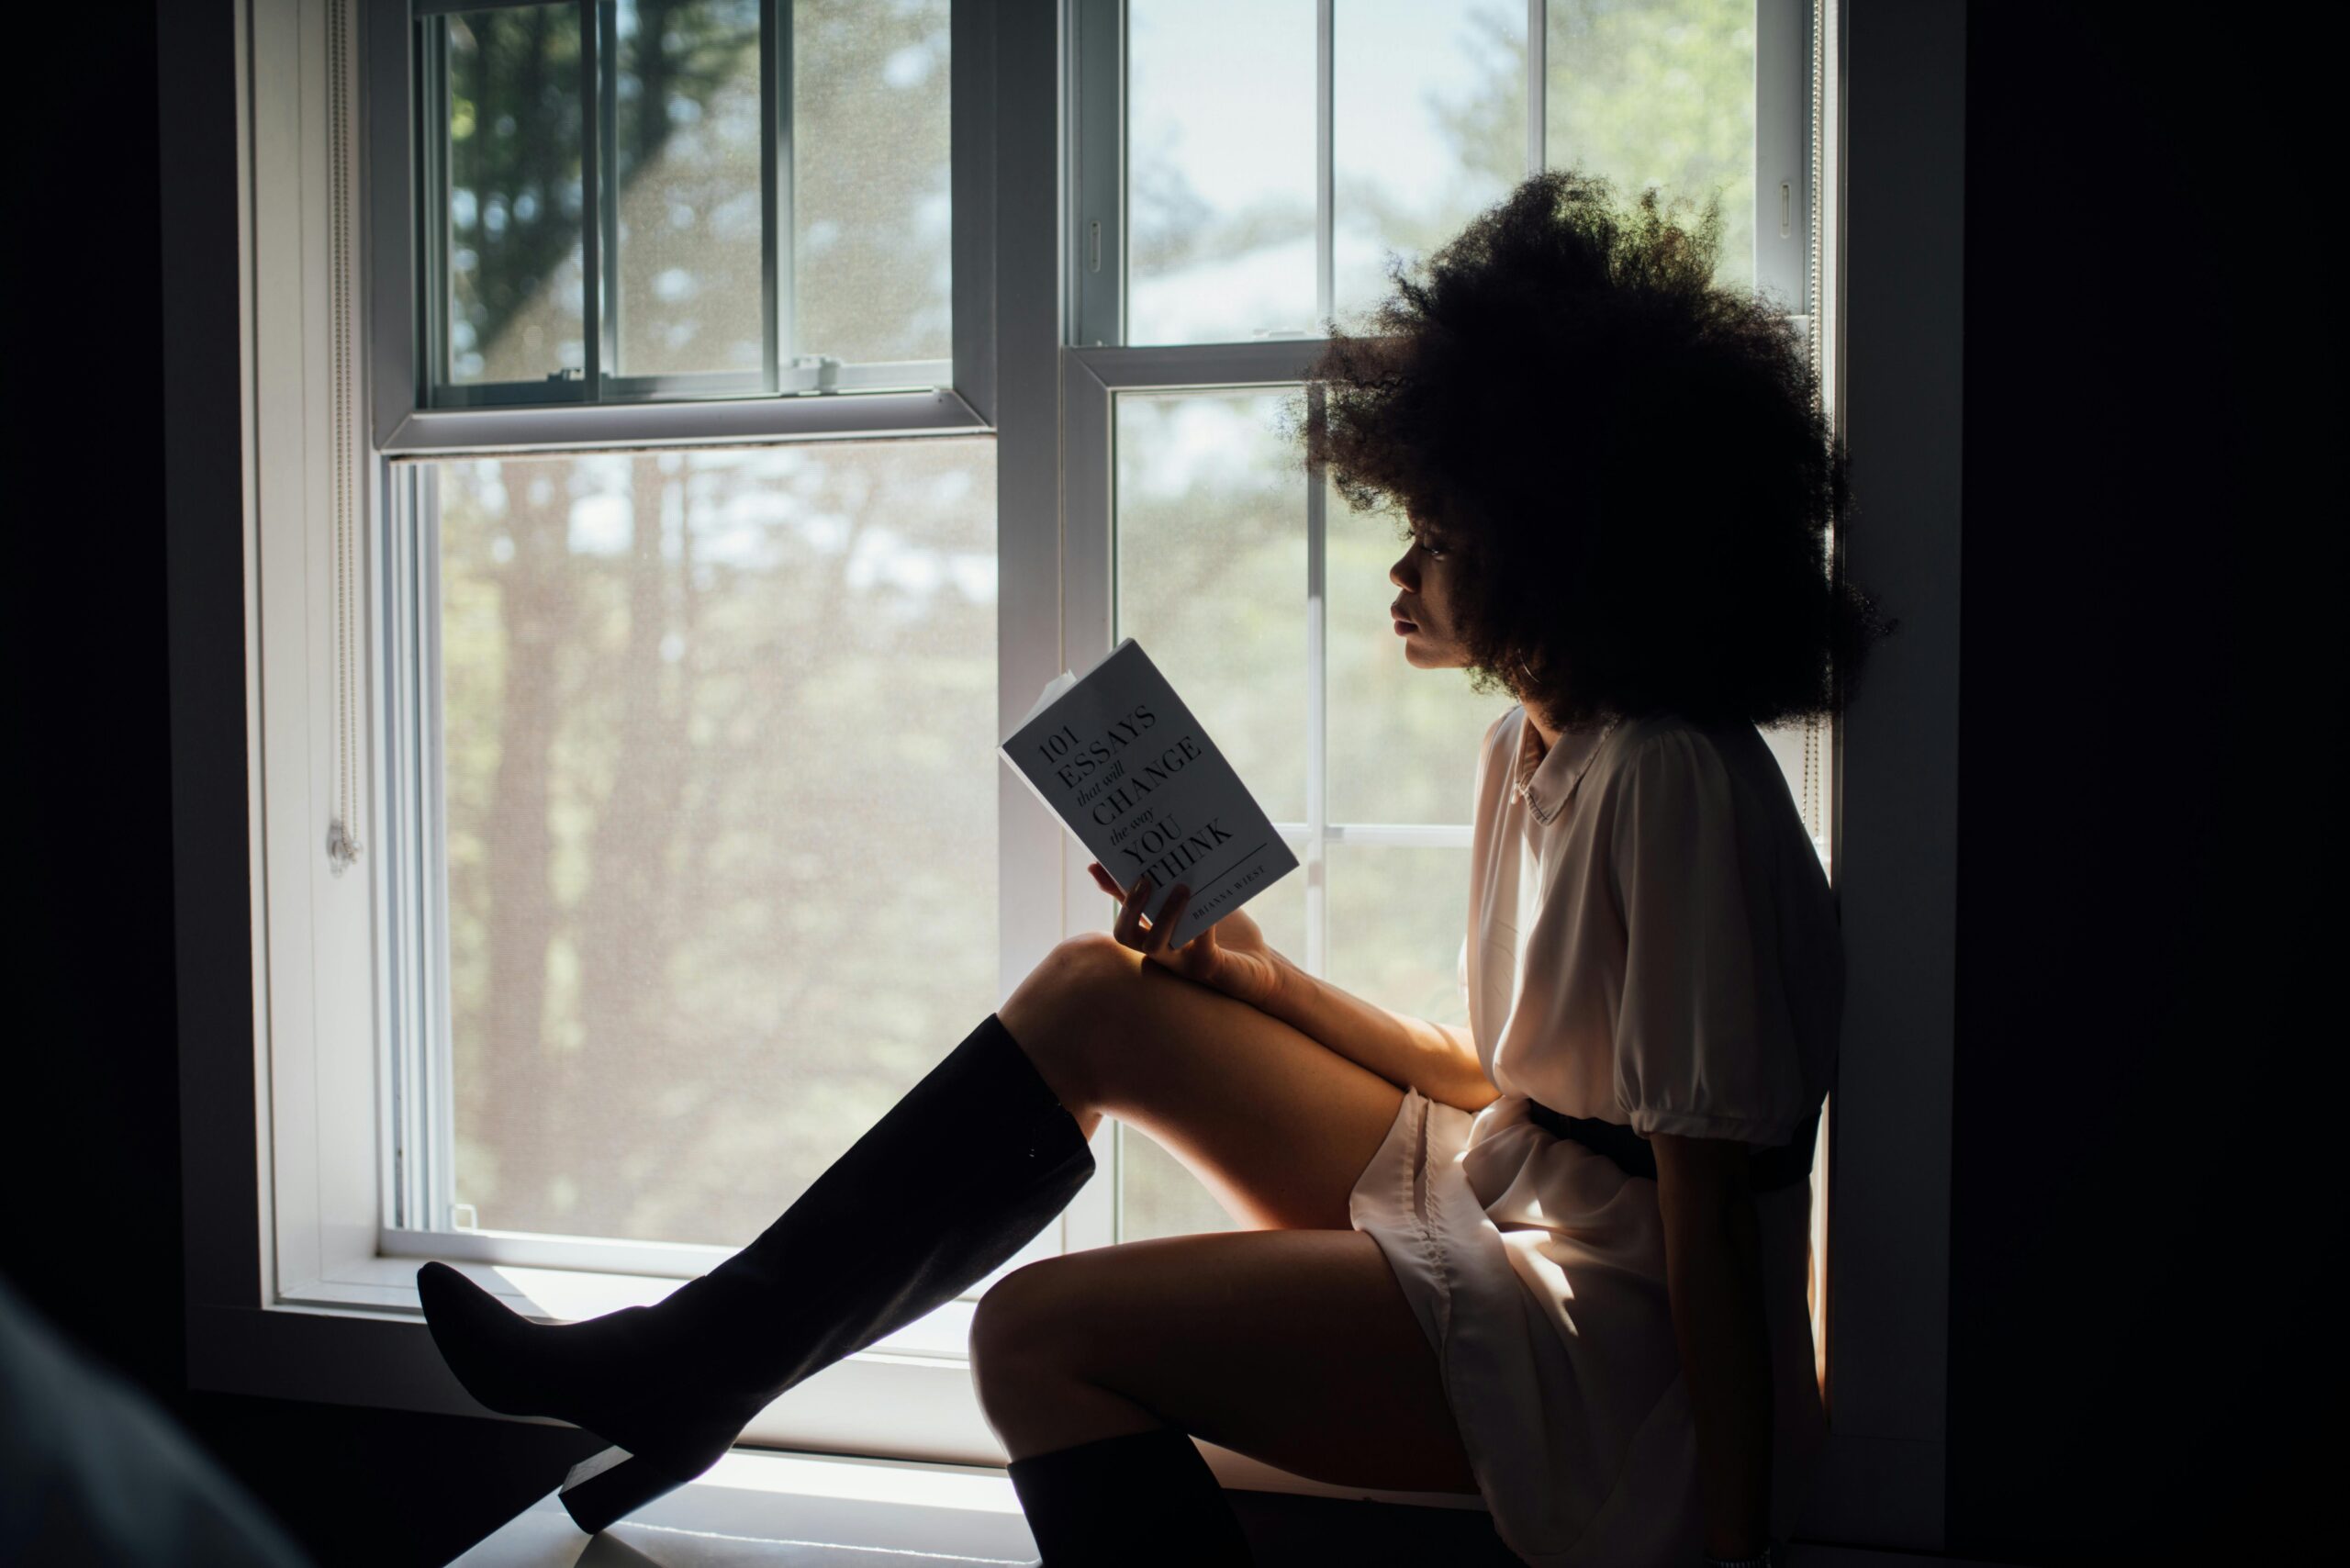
x: 1140, y: 1500
x: 959, y: 1175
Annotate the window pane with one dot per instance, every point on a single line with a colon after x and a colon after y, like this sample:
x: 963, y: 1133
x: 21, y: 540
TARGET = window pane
x: 869, y: 181
x: 1403, y: 741
x: 1804, y: 755
x: 697, y: 941
x: 514, y: 267
x: 688, y: 136
x: 1156, y: 1196
x: 1210, y: 543
x: 1659, y: 92
x: 1397, y: 917
x: 1427, y: 128
x: 1219, y: 169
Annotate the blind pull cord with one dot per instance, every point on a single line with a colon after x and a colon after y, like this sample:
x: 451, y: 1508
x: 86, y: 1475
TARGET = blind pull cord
x: 350, y: 681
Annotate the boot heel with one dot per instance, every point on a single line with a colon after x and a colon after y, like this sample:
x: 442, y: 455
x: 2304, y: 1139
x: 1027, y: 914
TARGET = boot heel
x: 614, y: 1483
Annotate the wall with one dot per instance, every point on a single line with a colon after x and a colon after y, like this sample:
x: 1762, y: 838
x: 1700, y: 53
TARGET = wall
x: 2146, y: 827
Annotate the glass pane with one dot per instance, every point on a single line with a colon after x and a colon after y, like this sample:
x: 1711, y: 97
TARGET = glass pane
x: 1803, y: 753
x: 1427, y: 128
x: 1219, y: 169
x: 1156, y: 1196
x: 1404, y: 740
x: 1397, y: 918
x: 687, y: 135
x: 684, y: 886
x: 514, y: 266
x: 871, y: 216
x: 1210, y: 526
x: 1659, y: 92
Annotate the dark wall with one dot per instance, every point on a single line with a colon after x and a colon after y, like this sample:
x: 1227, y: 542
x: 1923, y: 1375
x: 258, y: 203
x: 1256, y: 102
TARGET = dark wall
x: 89, y: 1165
x: 2147, y: 827
x: 2145, y: 832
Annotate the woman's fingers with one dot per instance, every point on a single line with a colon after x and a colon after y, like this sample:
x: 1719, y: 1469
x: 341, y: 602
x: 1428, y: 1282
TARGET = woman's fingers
x: 1128, y: 929
x: 1170, y: 912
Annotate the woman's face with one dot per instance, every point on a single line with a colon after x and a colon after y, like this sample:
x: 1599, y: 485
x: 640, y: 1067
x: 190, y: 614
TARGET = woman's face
x: 1423, y: 611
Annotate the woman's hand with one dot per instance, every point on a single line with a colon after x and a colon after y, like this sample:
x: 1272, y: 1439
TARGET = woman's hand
x: 1229, y: 955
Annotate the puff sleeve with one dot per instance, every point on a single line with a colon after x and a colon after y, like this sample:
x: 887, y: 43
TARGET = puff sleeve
x: 1703, y: 1046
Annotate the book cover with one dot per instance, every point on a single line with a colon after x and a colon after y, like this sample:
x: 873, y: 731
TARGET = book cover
x: 1117, y: 756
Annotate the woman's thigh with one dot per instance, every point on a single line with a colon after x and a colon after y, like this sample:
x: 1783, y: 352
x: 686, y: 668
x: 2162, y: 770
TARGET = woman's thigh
x: 1294, y: 1346
x: 1274, y: 1123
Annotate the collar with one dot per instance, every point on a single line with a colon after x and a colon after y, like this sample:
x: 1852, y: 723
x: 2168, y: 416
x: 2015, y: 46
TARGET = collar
x: 1545, y: 780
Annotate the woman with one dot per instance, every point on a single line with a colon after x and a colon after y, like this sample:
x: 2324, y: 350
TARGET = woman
x: 1557, y: 1257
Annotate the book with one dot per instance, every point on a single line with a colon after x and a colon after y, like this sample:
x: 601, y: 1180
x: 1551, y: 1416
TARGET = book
x: 1118, y: 757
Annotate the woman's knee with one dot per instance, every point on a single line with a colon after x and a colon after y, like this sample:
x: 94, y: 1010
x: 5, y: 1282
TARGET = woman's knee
x: 1056, y: 1013
x: 1023, y: 1339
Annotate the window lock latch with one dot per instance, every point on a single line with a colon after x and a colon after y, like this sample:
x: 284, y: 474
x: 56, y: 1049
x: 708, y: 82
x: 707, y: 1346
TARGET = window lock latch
x: 827, y: 369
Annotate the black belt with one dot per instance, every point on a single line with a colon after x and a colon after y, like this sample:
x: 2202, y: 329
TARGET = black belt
x: 1770, y: 1168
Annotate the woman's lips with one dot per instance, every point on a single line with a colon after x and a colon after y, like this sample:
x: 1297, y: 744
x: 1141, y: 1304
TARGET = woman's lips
x: 1403, y: 626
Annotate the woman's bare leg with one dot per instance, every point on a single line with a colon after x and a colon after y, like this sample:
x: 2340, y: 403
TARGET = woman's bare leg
x: 1276, y: 1124
x: 1294, y: 1346
x: 1290, y: 1342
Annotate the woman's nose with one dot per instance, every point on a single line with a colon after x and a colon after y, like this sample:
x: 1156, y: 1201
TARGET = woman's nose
x: 1395, y: 573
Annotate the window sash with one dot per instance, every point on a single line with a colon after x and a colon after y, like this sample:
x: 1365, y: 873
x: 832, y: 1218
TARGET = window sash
x: 407, y: 129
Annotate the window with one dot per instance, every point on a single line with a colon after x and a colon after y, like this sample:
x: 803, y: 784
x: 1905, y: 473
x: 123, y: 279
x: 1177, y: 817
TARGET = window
x: 641, y: 395
x: 1246, y: 171
x: 623, y: 200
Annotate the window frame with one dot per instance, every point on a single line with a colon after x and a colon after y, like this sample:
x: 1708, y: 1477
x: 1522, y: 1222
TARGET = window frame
x: 406, y: 419
x: 408, y: 357
x: 286, y: 1293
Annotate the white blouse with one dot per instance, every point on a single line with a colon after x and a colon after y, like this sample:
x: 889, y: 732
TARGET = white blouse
x: 1652, y: 942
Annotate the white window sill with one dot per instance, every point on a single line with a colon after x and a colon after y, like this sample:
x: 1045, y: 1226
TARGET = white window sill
x: 885, y: 1512
x: 755, y: 1507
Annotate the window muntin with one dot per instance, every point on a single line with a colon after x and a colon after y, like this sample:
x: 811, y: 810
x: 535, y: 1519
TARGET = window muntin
x: 631, y: 200
x: 717, y: 759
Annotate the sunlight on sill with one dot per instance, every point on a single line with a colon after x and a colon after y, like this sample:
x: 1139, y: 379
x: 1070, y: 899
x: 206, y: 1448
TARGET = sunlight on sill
x: 865, y: 1481
x: 570, y: 1295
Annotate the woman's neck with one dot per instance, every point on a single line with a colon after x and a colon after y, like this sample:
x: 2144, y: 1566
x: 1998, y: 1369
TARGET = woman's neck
x: 1542, y: 728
